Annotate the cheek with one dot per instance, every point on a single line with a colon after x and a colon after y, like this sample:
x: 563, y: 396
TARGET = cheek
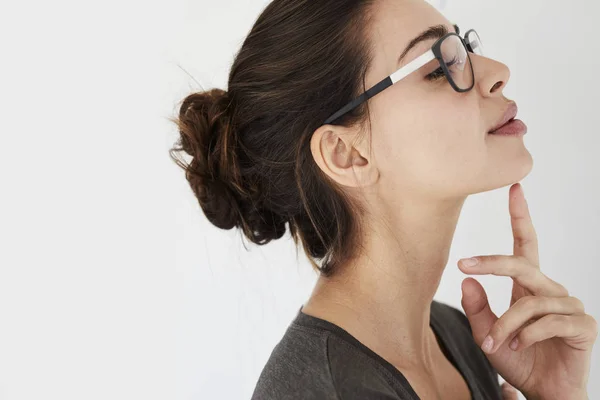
x: 455, y: 133
x: 438, y: 147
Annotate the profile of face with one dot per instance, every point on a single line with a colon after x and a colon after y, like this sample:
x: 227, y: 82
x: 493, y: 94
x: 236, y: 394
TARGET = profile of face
x: 427, y: 139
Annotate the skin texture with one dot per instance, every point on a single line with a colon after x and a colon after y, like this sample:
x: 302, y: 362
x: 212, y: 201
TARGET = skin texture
x: 428, y: 150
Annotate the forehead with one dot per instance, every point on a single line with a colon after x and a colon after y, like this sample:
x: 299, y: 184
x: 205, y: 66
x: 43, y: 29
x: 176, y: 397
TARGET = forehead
x: 395, y: 23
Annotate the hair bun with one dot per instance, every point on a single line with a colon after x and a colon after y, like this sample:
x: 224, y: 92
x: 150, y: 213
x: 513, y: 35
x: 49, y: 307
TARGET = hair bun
x: 205, y: 129
x: 214, y: 174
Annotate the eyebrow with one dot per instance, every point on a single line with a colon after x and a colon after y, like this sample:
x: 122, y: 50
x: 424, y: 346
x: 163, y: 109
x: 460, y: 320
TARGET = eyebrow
x: 433, y: 32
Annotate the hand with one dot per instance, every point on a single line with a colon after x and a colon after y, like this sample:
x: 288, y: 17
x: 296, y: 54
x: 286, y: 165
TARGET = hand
x: 509, y: 392
x: 553, y: 334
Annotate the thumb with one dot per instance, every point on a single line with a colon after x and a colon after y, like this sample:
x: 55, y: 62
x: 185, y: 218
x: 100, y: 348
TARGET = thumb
x: 477, y: 309
x: 509, y: 392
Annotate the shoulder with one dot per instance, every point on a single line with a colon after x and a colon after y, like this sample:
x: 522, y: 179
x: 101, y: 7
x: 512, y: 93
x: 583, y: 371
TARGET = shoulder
x: 313, y: 363
x: 297, y: 368
x: 450, y: 315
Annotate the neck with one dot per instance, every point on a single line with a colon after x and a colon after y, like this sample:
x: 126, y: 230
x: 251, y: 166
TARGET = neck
x: 383, y: 297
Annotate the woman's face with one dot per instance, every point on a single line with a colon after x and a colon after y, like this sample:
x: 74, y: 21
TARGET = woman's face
x: 427, y: 138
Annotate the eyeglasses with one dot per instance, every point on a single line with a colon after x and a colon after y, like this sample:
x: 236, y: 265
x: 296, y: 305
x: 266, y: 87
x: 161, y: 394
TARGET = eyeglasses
x: 452, y: 52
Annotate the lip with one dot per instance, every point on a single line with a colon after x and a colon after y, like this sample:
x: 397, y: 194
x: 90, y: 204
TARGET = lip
x: 509, y: 114
x: 515, y: 127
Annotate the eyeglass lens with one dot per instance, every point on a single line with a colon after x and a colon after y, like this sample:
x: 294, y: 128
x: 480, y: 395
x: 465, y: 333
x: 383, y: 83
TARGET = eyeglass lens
x: 474, y: 41
x: 456, y: 59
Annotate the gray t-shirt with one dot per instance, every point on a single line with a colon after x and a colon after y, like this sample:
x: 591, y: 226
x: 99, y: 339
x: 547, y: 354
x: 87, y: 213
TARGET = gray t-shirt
x: 316, y: 359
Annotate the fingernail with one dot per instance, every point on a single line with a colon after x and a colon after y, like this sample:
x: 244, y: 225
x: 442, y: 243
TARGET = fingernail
x: 487, y: 344
x: 514, y: 343
x: 469, y: 262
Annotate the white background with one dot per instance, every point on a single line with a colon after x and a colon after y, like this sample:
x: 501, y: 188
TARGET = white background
x: 112, y: 282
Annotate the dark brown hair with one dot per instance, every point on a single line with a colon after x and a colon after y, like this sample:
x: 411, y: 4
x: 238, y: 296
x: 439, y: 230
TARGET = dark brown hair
x: 251, y: 162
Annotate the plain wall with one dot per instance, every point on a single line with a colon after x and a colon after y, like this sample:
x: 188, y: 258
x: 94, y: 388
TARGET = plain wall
x: 113, y: 284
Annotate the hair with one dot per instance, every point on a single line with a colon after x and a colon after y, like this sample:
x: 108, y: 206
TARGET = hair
x: 251, y: 165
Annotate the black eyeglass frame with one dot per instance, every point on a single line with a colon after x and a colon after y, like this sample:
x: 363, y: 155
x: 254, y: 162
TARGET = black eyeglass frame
x: 423, y: 59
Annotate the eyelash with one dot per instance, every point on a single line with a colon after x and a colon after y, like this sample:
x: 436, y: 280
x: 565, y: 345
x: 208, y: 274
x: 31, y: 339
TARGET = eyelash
x: 438, y: 73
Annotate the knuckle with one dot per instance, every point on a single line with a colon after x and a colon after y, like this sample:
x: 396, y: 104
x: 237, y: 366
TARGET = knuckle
x: 492, y: 259
x: 527, y: 302
x: 594, y: 324
x: 563, y: 289
x: 577, y: 304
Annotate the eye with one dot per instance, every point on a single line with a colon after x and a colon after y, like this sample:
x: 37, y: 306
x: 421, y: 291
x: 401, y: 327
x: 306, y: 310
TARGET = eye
x: 439, y: 73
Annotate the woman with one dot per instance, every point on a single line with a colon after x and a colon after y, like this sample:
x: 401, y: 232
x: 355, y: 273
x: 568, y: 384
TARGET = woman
x: 372, y: 185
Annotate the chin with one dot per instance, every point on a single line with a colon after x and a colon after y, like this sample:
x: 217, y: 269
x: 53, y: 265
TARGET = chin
x: 510, y: 173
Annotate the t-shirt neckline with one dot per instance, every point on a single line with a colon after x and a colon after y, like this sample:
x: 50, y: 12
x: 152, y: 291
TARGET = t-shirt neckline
x: 304, y: 319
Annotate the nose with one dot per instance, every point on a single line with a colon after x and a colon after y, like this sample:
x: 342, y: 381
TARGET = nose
x: 491, y: 76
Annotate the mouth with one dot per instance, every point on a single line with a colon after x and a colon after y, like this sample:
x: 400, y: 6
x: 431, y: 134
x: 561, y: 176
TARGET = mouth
x: 501, y: 126
x: 514, y: 127
x: 508, y: 117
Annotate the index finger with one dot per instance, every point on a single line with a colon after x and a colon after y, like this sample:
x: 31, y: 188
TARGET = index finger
x: 525, y: 238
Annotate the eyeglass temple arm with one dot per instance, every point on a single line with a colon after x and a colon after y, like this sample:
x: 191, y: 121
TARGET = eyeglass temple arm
x: 383, y: 84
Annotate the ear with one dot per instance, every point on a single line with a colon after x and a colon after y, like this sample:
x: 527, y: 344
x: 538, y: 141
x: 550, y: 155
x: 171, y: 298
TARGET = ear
x: 344, y: 161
